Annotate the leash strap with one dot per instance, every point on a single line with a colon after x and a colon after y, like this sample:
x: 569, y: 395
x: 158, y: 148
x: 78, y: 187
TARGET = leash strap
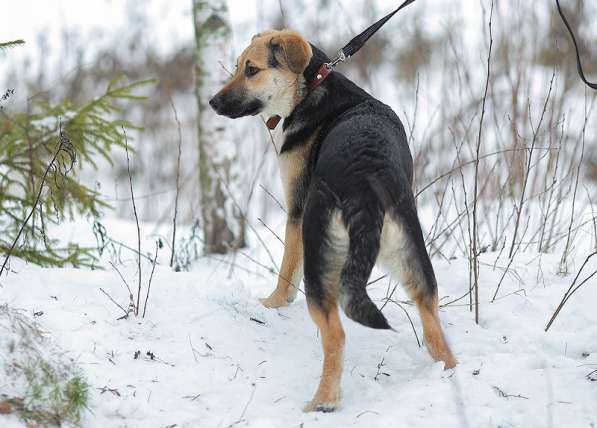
x: 578, y: 62
x: 358, y: 41
x: 353, y: 46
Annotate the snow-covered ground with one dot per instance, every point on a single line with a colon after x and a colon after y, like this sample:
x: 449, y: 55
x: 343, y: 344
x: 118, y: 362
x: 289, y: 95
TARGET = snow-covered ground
x: 211, y: 356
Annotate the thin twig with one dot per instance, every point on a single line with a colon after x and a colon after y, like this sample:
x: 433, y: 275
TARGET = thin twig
x: 460, y: 166
x: 389, y: 299
x: 126, y: 247
x: 502, y: 394
x: 273, y: 197
x: 527, y: 172
x: 155, y: 257
x: 125, y: 283
x: 246, y: 220
x: 128, y: 168
x: 173, y: 247
x: 269, y: 228
x: 409, y: 320
x: 564, y: 260
x: 572, y: 289
x: 126, y: 314
x: 475, y: 237
x: 242, y: 415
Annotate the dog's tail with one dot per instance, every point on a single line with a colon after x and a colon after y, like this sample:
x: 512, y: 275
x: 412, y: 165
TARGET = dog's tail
x: 358, y: 306
x: 364, y: 227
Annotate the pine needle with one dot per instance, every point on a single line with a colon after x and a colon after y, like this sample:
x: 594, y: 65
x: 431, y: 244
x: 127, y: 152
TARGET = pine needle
x: 11, y: 44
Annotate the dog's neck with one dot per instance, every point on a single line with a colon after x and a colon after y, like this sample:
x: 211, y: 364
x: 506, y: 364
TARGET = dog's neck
x: 320, y: 106
x: 313, y: 76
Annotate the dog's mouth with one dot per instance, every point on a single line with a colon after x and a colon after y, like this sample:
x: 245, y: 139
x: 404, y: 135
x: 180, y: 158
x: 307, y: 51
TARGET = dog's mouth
x: 232, y: 107
x: 252, y: 108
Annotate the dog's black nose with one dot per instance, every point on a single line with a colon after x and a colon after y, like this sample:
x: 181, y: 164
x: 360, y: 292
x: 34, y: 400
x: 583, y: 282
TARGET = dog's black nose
x: 215, y: 103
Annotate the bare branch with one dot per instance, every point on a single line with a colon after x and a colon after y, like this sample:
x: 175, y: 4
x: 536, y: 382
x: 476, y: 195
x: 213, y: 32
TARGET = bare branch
x: 128, y: 168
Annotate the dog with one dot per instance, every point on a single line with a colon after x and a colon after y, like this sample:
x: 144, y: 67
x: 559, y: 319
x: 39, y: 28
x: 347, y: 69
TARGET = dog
x: 347, y: 174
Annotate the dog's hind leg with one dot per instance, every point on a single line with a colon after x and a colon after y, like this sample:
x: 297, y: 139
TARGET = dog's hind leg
x: 405, y: 255
x: 341, y: 247
x: 328, y: 393
x: 432, y: 329
x: 325, y: 247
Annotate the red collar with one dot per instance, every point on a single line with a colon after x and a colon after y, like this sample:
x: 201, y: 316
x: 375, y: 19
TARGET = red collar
x: 320, y: 76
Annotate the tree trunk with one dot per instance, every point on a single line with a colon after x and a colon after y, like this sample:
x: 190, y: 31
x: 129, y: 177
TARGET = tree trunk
x: 219, y: 178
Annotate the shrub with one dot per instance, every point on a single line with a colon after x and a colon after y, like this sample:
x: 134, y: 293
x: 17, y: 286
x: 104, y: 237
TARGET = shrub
x: 40, y: 382
x: 75, y: 136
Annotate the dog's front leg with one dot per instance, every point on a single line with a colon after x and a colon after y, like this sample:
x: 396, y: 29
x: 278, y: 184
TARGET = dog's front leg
x: 290, y: 276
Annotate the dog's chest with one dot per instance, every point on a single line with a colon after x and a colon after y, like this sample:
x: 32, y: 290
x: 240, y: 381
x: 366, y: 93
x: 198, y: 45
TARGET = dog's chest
x: 278, y: 136
x: 294, y: 173
x: 292, y: 168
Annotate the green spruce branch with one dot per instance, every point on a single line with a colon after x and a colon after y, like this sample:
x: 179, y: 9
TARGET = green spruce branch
x: 11, y: 44
x: 35, y: 189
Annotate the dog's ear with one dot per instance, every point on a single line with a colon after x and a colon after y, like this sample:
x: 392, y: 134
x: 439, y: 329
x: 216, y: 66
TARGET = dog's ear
x: 263, y: 34
x: 293, y: 50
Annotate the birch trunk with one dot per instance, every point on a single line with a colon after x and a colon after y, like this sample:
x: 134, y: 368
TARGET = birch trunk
x: 219, y: 180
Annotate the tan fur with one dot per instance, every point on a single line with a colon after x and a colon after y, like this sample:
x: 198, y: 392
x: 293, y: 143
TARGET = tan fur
x: 328, y: 321
x: 291, y: 274
x: 328, y: 393
x: 394, y: 246
x: 297, y: 51
x: 434, y: 335
x: 337, y: 241
x: 292, y: 165
x: 281, y: 88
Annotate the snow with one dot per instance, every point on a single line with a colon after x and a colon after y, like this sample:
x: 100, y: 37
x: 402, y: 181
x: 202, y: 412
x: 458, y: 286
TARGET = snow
x: 221, y: 359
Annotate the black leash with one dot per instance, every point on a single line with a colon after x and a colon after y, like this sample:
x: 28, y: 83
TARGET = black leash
x: 354, y: 46
x: 578, y: 62
x: 357, y: 42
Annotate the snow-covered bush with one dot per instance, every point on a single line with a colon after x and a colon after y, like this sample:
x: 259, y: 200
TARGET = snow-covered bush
x: 39, y: 381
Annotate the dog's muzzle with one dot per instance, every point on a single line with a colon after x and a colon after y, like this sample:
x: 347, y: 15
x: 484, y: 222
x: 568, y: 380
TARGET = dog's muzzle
x: 233, y: 106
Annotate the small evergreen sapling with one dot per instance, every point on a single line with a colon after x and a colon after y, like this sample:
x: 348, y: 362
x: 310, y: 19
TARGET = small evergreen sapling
x: 38, y: 172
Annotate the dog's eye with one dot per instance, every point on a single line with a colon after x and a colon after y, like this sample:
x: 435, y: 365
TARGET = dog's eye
x: 251, y: 71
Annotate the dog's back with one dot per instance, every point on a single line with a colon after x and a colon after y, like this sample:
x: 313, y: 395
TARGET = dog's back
x: 368, y: 140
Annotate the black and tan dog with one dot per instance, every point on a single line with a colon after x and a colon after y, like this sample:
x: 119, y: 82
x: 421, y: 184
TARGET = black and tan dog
x: 347, y: 174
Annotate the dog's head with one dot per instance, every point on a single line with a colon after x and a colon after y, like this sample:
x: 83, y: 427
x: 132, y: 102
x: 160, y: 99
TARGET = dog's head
x: 269, y: 77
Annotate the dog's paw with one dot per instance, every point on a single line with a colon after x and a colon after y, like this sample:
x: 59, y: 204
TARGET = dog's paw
x: 450, y: 362
x: 317, y: 406
x: 325, y: 400
x: 274, y: 301
x: 278, y: 300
